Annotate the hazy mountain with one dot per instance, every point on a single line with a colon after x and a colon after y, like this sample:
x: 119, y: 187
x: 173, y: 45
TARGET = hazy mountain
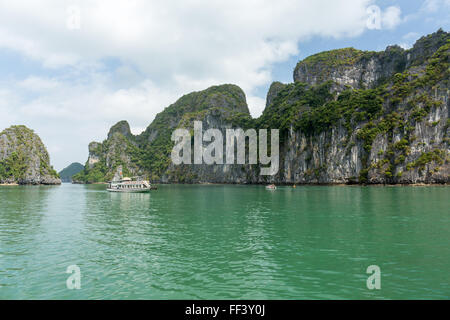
x: 67, y: 173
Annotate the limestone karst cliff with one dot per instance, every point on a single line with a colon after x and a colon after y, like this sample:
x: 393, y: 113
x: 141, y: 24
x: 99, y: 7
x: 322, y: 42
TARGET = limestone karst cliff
x: 358, y: 69
x: 350, y: 116
x: 24, y: 158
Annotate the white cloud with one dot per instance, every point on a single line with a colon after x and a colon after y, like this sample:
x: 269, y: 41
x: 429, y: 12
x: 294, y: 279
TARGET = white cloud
x: 435, y: 5
x: 391, y: 17
x: 161, y: 50
x: 257, y: 103
x: 76, y: 113
x: 411, y: 36
x: 38, y: 84
x: 431, y: 11
x: 409, y: 39
x: 222, y: 40
x: 405, y: 45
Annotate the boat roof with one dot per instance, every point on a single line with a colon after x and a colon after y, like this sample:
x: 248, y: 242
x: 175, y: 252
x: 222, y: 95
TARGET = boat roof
x: 130, y: 182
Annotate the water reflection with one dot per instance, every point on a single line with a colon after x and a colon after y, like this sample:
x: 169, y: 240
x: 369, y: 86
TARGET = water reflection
x: 22, y: 211
x: 224, y: 242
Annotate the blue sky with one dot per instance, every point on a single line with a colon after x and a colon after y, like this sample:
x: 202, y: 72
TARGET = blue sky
x: 419, y: 19
x: 71, y: 69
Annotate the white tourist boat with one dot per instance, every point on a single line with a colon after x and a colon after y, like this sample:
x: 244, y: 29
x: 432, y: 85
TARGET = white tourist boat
x: 135, y: 184
x: 130, y: 185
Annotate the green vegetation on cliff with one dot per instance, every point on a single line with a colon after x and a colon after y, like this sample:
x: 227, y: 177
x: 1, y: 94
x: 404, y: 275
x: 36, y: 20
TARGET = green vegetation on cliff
x: 117, y: 150
x: 315, y: 109
x: 386, y: 103
x: 156, y: 145
x: 13, y: 167
x: 334, y: 58
x: 24, y: 158
x: 148, y: 154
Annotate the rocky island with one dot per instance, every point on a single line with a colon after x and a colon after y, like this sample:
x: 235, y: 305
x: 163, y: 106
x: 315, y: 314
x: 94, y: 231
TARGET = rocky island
x: 350, y: 116
x: 24, y: 158
x: 68, y: 172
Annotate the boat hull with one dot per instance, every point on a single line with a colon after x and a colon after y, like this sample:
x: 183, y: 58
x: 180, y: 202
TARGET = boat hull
x: 129, y: 191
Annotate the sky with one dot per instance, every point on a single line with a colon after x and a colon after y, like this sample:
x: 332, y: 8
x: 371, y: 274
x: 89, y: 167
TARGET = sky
x: 70, y: 70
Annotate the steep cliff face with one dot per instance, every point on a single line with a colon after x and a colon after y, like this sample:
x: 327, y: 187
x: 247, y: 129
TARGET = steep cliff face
x: 215, y: 105
x: 24, y: 158
x: 149, y: 153
x: 350, y: 67
x: 358, y: 69
x: 121, y: 127
x: 274, y: 90
x: 349, y: 117
x: 405, y: 151
x: 213, y: 173
x: 119, y: 149
x: 395, y: 132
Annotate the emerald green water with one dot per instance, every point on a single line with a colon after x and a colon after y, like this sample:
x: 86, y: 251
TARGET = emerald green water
x: 225, y: 242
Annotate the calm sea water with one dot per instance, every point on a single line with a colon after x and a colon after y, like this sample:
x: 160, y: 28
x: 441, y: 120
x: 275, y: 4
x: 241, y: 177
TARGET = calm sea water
x: 225, y: 242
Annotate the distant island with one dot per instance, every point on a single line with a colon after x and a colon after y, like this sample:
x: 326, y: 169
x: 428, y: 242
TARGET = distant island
x: 350, y: 116
x: 67, y: 173
x: 24, y: 158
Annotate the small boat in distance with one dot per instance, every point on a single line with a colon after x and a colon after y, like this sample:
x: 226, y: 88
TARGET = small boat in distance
x: 130, y: 185
x: 271, y: 187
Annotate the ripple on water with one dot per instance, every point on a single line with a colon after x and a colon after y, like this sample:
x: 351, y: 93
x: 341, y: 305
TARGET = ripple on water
x: 224, y: 242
